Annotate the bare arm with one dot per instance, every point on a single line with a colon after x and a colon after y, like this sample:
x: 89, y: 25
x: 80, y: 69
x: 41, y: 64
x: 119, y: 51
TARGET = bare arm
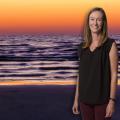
x: 77, y: 89
x: 113, y: 55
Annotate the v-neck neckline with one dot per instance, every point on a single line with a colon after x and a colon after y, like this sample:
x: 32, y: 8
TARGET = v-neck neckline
x: 92, y: 51
x: 96, y: 47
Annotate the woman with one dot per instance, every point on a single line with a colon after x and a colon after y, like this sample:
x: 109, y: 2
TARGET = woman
x: 97, y: 81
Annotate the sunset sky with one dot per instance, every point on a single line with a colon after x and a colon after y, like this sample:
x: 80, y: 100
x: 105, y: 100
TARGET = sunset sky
x: 53, y: 16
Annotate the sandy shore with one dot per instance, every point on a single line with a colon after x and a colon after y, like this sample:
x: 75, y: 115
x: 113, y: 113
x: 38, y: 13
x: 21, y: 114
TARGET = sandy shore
x: 41, y: 102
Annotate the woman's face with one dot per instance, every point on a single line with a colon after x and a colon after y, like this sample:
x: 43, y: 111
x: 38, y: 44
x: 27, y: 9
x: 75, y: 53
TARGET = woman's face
x: 96, y: 21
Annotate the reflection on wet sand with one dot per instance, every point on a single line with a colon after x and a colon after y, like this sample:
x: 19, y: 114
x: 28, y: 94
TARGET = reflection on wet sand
x: 37, y: 82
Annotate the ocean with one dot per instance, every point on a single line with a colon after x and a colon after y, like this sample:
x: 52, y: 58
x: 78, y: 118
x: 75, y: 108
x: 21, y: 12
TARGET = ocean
x: 40, y: 57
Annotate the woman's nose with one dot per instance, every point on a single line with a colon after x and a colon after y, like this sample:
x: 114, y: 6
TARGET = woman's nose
x: 95, y: 22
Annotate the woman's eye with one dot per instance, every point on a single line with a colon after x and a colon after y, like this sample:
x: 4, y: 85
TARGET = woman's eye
x: 100, y: 20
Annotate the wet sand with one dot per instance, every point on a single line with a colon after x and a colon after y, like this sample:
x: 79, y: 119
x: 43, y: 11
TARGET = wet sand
x: 38, y: 82
x: 42, y: 102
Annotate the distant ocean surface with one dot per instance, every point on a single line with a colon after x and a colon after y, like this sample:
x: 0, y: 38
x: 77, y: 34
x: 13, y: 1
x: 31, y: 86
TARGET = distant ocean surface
x: 40, y: 57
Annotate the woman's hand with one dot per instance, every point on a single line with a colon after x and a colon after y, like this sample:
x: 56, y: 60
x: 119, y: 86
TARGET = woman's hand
x: 75, y: 107
x: 110, y: 108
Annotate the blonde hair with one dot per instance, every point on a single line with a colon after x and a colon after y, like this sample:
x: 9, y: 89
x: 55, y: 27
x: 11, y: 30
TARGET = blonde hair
x: 87, y: 33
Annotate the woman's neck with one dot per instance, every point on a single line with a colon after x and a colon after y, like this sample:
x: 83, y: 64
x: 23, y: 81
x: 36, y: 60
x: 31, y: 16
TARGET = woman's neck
x: 96, y: 37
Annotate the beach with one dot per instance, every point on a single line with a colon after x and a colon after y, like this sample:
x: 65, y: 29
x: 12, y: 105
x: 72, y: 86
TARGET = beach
x: 36, y: 102
x: 41, y: 102
x: 38, y: 74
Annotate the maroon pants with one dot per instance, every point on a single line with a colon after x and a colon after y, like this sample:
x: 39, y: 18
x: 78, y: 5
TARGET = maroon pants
x: 93, y: 112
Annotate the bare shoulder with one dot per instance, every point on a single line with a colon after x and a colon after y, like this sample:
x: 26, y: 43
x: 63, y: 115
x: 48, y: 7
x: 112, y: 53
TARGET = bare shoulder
x: 113, y: 54
x: 113, y: 49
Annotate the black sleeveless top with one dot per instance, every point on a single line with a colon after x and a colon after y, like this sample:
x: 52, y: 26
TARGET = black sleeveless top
x: 94, y: 73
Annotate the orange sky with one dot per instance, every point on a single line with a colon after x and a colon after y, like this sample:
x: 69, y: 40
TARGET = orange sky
x: 53, y: 15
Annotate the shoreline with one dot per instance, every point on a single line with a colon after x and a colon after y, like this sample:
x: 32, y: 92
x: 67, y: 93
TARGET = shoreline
x: 37, y: 82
